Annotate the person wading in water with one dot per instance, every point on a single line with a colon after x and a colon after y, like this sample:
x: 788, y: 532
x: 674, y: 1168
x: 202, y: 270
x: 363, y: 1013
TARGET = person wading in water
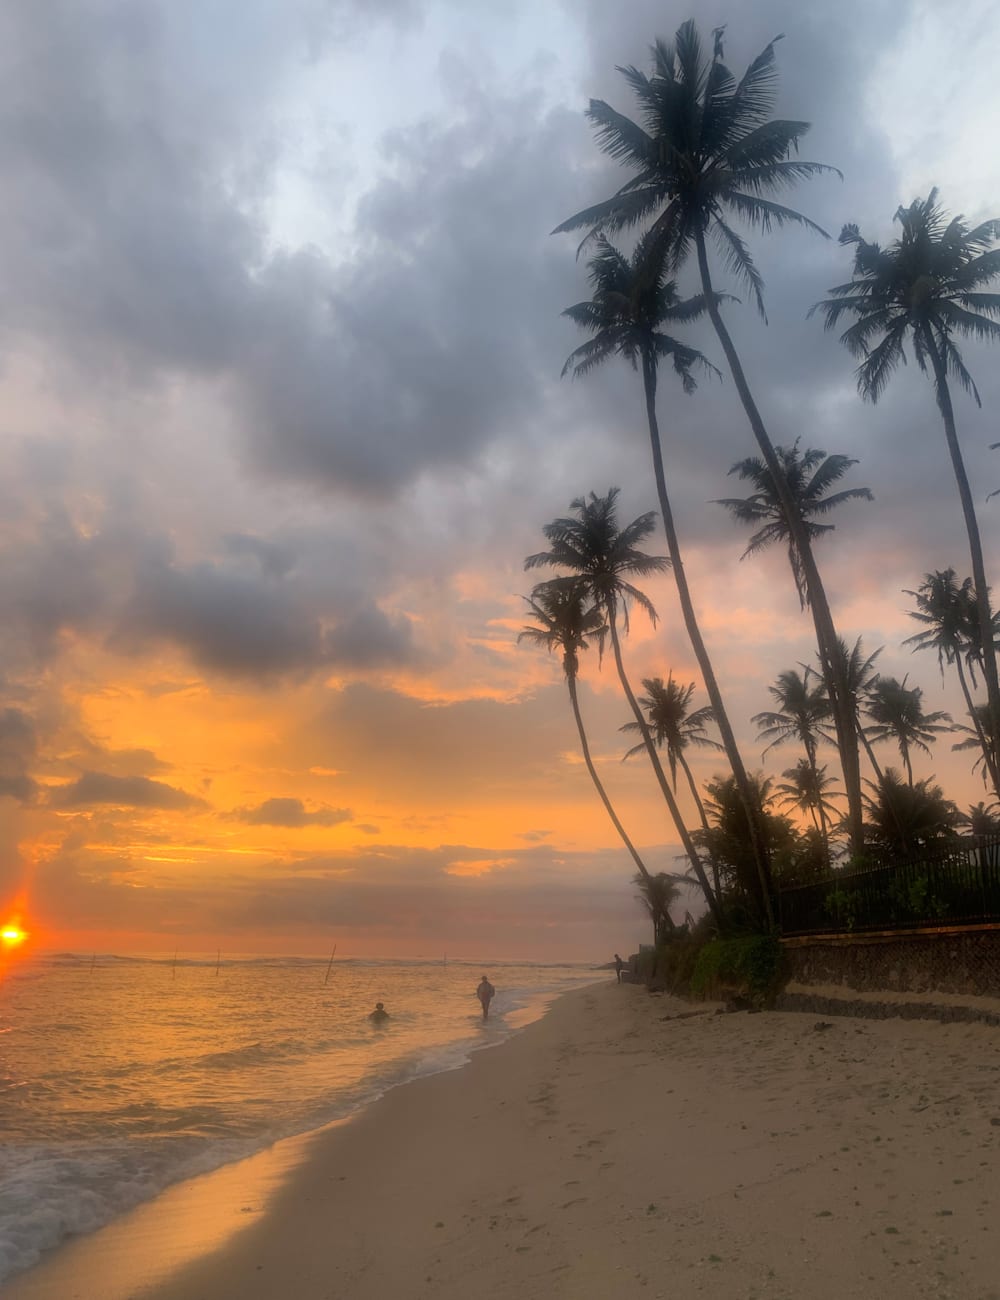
x: 485, y: 993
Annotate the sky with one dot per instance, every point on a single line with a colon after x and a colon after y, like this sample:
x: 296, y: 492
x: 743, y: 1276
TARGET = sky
x: 280, y: 347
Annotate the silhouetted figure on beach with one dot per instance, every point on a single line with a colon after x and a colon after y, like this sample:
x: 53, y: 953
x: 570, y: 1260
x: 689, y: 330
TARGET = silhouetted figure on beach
x: 379, y: 1016
x: 619, y: 967
x: 485, y: 993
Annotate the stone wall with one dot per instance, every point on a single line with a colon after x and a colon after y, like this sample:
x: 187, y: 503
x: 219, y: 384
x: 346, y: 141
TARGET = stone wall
x: 943, y: 961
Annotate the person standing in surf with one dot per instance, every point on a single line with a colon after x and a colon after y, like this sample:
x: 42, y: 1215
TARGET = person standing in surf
x: 485, y: 993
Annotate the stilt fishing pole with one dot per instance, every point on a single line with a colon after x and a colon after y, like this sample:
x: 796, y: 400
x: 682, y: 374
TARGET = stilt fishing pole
x: 329, y: 966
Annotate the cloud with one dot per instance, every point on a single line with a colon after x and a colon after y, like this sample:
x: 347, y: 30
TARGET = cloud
x: 291, y: 813
x: 18, y: 749
x: 123, y: 792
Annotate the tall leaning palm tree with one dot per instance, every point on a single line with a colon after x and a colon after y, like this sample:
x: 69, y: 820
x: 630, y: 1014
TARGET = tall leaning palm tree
x: 809, y: 475
x: 674, y: 729
x: 707, y: 152
x: 590, y: 545
x: 896, y: 712
x: 633, y: 303
x: 927, y: 288
x: 947, y: 610
x: 568, y: 621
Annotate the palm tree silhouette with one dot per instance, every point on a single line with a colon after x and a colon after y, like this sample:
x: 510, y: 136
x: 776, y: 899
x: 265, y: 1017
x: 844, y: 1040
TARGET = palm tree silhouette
x: 568, y: 621
x: 948, y: 611
x: 927, y: 287
x: 979, y: 736
x: 633, y: 300
x: 708, y: 151
x: 859, y: 674
x: 673, y: 729
x: 656, y: 893
x: 809, y: 476
x: 808, y: 788
x: 896, y: 712
x: 982, y: 819
x: 908, y: 818
x: 802, y: 713
x: 603, y: 557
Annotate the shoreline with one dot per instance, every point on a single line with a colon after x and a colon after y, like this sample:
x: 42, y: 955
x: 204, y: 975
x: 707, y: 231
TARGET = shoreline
x: 606, y: 1150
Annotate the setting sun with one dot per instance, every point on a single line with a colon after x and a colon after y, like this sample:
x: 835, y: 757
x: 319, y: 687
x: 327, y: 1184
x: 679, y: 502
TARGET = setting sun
x: 12, y: 935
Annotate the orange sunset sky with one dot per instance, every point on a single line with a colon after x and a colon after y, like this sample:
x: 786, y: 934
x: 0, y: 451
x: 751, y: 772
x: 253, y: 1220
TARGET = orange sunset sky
x: 282, y: 417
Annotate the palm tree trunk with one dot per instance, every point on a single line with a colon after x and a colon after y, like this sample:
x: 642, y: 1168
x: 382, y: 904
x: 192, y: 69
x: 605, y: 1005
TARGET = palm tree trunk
x: 871, y: 754
x: 701, y: 653
x: 814, y: 769
x: 598, y: 785
x: 703, y: 817
x: 904, y: 750
x: 654, y: 758
x: 834, y: 672
x: 975, y: 543
x: 988, y: 757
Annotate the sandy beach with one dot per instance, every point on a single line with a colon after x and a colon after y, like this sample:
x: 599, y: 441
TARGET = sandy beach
x: 610, y: 1150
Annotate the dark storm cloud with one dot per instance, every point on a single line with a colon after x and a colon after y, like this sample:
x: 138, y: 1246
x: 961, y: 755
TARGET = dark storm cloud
x: 18, y: 748
x: 440, y: 334
x: 370, y: 638
x: 241, y: 625
x: 226, y: 621
x: 291, y: 813
x: 122, y: 792
x: 125, y: 243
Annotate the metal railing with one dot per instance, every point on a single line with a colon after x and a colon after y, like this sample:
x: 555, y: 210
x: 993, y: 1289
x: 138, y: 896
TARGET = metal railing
x: 957, y: 886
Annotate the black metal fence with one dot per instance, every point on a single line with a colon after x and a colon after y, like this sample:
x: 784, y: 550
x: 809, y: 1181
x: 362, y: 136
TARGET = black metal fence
x: 958, y: 886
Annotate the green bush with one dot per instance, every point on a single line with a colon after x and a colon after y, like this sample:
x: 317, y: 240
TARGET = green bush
x: 841, y: 905
x: 750, y: 966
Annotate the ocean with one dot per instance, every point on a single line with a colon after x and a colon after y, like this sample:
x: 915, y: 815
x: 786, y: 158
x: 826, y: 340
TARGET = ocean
x: 122, y: 1075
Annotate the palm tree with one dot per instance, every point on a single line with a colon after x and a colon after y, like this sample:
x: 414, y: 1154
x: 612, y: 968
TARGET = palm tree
x: 982, y: 819
x: 927, y: 287
x: 567, y: 621
x: 593, y: 548
x: 809, y: 475
x: 803, y: 710
x: 632, y: 302
x: 674, y: 729
x: 808, y: 788
x: 727, y: 838
x: 859, y: 674
x: 708, y: 151
x: 979, y: 737
x: 909, y: 818
x: 896, y: 712
x: 947, y: 609
x: 656, y: 894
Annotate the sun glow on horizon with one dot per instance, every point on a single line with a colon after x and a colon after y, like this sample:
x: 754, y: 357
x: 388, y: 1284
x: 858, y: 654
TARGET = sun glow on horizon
x: 12, y: 936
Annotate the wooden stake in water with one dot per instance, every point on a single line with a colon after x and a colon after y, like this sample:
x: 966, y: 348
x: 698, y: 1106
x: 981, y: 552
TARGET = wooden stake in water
x: 218, y: 958
x: 329, y: 966
x: 173, y: 966
x: 92, y: 960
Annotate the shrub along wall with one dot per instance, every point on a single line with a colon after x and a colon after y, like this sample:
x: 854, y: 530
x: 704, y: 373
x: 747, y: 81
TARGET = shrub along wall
x: 944, y: 961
